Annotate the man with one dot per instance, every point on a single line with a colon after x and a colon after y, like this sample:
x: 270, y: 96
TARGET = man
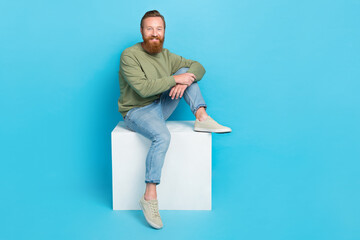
x: 152, y: 82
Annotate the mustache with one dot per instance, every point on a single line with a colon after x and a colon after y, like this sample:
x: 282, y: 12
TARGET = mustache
x: 158, y: 38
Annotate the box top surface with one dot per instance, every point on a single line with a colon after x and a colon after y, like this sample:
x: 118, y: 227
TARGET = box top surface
x: 173, y: 126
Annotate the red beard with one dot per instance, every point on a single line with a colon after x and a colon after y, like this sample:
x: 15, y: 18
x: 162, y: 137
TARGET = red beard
x: 153, y: 47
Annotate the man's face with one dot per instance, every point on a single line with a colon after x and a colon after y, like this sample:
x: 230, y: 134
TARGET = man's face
x: 153, y: 34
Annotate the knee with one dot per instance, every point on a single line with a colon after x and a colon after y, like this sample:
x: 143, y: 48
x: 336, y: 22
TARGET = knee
x: 163, y: 138
x: 194, y: 87
x: 181, y: 70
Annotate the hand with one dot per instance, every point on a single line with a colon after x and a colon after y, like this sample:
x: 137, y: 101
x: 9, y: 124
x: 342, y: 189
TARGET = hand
x: 177, y: 91
x: 185, y: 78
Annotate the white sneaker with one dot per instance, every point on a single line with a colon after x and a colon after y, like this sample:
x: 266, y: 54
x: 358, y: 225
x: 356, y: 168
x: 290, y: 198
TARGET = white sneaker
x: 210, y: 125
x: 151, y: 212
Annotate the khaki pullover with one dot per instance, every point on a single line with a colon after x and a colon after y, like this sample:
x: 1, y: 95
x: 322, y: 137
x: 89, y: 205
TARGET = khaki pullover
x: 143, y: 76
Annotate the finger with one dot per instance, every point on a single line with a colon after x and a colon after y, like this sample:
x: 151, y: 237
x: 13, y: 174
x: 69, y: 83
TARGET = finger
x: 171, y: 91
x: 190, y: 77
x: 182, y: 92
x: 178, y: 93
x: 174, y: 94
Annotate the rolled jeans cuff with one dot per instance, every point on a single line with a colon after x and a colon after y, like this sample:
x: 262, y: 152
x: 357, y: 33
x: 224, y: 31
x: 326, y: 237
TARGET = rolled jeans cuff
x: 199, y: 106
x: 153, y: 181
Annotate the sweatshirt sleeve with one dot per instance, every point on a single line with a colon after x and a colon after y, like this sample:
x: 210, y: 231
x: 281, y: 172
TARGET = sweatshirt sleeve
x: 136, y: 78
x: 178, y: 62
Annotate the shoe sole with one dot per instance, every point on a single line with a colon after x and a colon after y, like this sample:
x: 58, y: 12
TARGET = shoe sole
x: 211, y: 131
x: 149, y: 222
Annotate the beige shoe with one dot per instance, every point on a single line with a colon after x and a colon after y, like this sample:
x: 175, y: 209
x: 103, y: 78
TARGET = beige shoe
x: 210, y: 125
x: 151, y: 212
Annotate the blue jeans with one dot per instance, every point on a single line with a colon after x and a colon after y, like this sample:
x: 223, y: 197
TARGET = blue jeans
x: 149, y: 121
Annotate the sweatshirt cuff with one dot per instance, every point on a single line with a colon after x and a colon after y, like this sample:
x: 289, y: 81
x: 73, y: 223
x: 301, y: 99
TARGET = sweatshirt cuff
x: 171, y: 81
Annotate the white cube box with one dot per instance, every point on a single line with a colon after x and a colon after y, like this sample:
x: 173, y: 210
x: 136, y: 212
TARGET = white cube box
x: 185, y: 182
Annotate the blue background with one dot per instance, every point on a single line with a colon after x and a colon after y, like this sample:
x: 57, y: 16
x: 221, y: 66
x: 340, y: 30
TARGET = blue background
x: 283, y: 74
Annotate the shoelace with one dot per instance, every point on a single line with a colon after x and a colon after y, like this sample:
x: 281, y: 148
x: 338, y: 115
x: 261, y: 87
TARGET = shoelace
x: 154, y: 209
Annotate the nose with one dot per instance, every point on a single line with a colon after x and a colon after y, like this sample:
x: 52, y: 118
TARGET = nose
x: 155, y: 33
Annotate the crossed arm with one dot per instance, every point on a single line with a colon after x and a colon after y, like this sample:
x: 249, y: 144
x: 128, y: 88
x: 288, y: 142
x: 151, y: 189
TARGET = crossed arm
x: 133, y: 74
x: 182, y: 82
